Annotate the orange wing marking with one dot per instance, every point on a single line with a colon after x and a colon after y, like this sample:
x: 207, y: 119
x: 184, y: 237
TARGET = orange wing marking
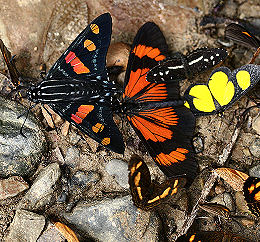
x: 153, y: 53
x: 105, y: 141
x: 83, y: 111
x: 137, y: 82
x: 247, y: 34
x: 75, y: 62
x: 157, y: 129
x: 174, y: 157
x: 89, y: 45
x: 98, y: 127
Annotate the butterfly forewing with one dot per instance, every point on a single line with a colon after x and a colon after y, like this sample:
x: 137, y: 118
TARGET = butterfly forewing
x: 86, y: 56
x: 180, y: 67
x: 240, y: 35
x: 147, y: 194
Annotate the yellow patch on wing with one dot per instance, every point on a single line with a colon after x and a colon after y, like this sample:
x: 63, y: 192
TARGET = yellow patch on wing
x: 257, y: 196
x: 202, y: 100
x: 94, y: 28
x: 222, y: 89
x: 243, y: 79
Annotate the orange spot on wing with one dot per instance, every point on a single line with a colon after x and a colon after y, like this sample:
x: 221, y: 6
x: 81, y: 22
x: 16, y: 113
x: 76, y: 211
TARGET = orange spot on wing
x: 174, y: 157
x: 89, y: 45
x: 155, y: 124
x: 83, y: 111
x: 75, y: 62
x: 105, y: 141
x: 98, y: 127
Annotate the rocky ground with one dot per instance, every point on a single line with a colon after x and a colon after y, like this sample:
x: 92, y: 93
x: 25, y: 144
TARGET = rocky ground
x: 66, y: 177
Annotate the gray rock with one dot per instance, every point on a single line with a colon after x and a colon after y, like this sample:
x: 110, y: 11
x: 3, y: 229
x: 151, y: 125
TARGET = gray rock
x: 119, y: 170
x: 72, y: 156
x: 12, y: 186
x: 255, y: 148
x: 115, y: 220
x: 26, y: 227
x: 256, y: 125
x: 85, y: 179
x: 241, y: 202
x: 42, y: 189
x: 224, y: 199
x: 255, y: 171
x: 18, y: 155
x: 51, y: 234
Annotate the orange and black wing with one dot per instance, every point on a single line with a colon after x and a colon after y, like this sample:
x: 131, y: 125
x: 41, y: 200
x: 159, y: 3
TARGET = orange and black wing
x: 211, y: 236
x: 148, y: 49
x: 252, y: 194
x: 155, y: 110
x: 147, y: 194
x: 13, y: 72
x: 240, y: 35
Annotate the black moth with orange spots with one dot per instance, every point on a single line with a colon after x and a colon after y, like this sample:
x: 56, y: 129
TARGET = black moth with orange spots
x: 78, y: 89
x: 147, y: 194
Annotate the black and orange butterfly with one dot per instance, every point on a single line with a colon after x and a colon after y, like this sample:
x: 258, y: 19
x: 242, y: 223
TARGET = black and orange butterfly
x: 147, y: 194
x: 78, y: 89
x: 155, y: 110
x: 211, y: 236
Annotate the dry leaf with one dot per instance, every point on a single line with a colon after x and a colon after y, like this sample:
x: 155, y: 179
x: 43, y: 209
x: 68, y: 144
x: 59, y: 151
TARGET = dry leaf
x: 66, y: 232
x: 233, y: 177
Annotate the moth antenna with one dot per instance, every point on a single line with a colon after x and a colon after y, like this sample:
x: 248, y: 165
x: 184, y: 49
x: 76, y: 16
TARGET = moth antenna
x: 27, y: 113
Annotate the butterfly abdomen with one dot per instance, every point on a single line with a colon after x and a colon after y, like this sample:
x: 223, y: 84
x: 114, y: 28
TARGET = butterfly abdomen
x: 69, y: 90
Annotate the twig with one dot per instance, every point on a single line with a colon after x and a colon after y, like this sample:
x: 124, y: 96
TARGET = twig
x: 189, y: 221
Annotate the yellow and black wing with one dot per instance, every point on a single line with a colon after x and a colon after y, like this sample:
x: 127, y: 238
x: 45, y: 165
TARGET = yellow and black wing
x: 222, y: 89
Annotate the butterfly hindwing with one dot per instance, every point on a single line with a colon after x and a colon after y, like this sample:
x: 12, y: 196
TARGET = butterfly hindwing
x: 180, y: 67
x: 167, y: 132
x: 86, y: 56
x: 13, y: 72
x: 222, y: 89
x: 251, y: 191
x: 94, y: 120
x: 240, y: 35
x: 147, y: 194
